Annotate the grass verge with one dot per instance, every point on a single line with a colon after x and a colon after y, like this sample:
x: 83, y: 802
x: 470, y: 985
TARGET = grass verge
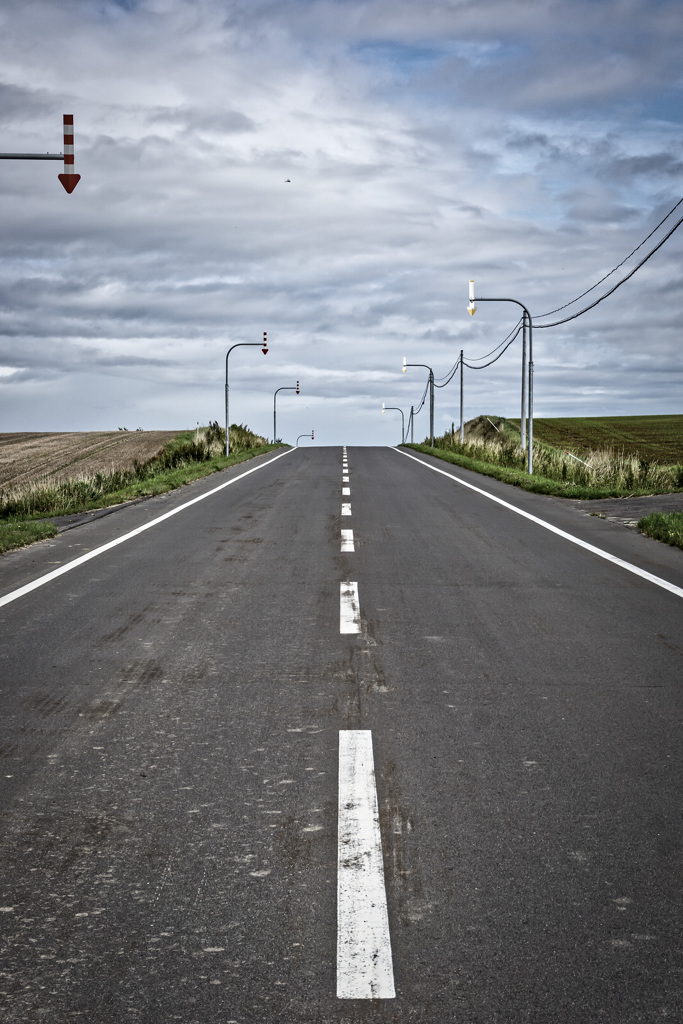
x: 18, y: 535
x: 535, y: 483
x: 664, y: 526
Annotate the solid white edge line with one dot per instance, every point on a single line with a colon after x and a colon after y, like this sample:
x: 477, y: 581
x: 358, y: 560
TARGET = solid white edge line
x: 349, y: 608
x: 347, y: 540
x: 657, y: 580
x: 364, y: 963
x: 14, y: 595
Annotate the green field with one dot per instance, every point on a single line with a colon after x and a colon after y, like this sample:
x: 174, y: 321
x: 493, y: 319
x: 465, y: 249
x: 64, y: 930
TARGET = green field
x: 653, y: 438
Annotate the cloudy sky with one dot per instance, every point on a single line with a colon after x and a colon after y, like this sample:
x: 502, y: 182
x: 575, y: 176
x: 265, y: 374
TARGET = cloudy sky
x: 333, y: 172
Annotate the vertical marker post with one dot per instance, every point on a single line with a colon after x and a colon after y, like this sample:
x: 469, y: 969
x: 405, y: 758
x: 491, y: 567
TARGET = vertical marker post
x: 69, y: 179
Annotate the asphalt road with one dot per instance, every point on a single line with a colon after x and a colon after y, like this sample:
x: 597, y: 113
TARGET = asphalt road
x: 169, y: 755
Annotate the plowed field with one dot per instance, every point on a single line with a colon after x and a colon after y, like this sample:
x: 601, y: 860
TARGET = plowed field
x: 29, y: 459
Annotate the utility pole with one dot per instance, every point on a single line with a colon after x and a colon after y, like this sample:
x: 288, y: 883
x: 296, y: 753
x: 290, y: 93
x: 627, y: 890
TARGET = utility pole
x: 472, y: 309
x: 431, y: 394
x: 462, y: 411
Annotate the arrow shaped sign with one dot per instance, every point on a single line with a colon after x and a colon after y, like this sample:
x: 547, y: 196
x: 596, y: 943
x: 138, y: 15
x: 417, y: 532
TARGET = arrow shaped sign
x: 68, y: 179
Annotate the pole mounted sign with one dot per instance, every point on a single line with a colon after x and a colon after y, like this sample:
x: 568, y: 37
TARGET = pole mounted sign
x: 68, y: 179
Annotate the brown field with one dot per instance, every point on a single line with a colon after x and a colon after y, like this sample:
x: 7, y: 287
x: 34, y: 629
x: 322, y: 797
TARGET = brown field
x: 29, y: 459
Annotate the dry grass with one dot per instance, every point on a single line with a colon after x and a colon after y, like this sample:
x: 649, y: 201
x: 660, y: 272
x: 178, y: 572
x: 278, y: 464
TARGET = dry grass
x: 30, y: 460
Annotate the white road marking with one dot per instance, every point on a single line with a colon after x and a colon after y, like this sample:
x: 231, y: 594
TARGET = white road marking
x: 364, y: 965
x: 42, y: 580
x: 346, y: 509
x: 346, y: 491
x: 349, y: 608
x: 636, y: 570
x: 345, y: 479
x: 347, y: 540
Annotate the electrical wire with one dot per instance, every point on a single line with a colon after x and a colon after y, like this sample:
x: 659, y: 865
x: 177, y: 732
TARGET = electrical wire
x: 557, y: 323
x: 492, y: 361
x: 614, y: 269
x: 424, y: 396
x: 449, y: 376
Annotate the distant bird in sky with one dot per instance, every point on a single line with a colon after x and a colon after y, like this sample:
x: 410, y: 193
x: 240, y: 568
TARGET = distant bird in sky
x: 286, y: 180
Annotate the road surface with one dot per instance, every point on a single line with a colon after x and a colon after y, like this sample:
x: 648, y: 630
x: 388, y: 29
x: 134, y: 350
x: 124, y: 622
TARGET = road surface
x: 263, y: 761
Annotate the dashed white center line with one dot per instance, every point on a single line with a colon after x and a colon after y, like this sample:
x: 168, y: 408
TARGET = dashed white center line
x: 346, y: 509
x: 347, y: 540
x: 345, y: 479
x: 349, y: 608
x: 364, y: 963
x: 346, y: 490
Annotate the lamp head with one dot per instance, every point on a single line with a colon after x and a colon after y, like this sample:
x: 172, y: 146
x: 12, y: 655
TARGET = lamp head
x: 471, y: 309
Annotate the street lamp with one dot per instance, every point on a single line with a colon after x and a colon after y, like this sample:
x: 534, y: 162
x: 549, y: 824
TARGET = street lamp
x: 471, y: 309
x: 264, y: 349
x: 311, y: 435
x: 403, y: 421
x: 275, y: 408
x: 431, y: 394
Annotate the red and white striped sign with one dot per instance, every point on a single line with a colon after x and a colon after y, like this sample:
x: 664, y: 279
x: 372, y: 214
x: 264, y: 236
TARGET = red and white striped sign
x: 68, y: 179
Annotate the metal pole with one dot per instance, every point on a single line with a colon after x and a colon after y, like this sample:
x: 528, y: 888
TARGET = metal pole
x: 431, y: 405
x: 462, y: 411
x: 412, y: 425
x: 274, y: 408
x: 531, y: 408
x: 240, y: 344
x: 227, y: 406
x: 395, y: 408
x: 472, y: 309
x: 522, y: 422
x: 430, y: 383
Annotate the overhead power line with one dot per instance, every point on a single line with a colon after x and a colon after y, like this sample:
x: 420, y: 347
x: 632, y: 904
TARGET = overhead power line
x: 637, y: 267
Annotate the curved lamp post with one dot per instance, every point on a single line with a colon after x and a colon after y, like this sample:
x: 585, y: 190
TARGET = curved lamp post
x: 403, y: 420
x: 472, y: 309
x: 431, y: 393
x: 264, y: 349
x: 311, y: 435
x: 293, y: 388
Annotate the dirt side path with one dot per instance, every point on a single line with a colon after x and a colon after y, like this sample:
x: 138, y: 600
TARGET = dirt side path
x: 27, y: 459
x: 628, y: 511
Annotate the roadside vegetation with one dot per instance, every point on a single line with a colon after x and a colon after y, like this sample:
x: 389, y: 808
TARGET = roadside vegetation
x: 188, y: 456
x: 492, y: 447
x: 664, y: 526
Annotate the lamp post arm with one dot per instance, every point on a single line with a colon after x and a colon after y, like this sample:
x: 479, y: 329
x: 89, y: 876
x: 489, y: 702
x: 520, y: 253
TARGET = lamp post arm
x: 292, y: 388
x: 530, y: 437
x: 238, y: 344
x: 395, y: 408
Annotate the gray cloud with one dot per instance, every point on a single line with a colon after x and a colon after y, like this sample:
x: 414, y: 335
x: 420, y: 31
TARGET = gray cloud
x: 424, y: 144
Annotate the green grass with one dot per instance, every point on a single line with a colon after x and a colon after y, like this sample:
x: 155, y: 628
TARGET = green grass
x: 652, y: 438
x: 23, y: 514
x: 18, y: 535
x: 664, y: 526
